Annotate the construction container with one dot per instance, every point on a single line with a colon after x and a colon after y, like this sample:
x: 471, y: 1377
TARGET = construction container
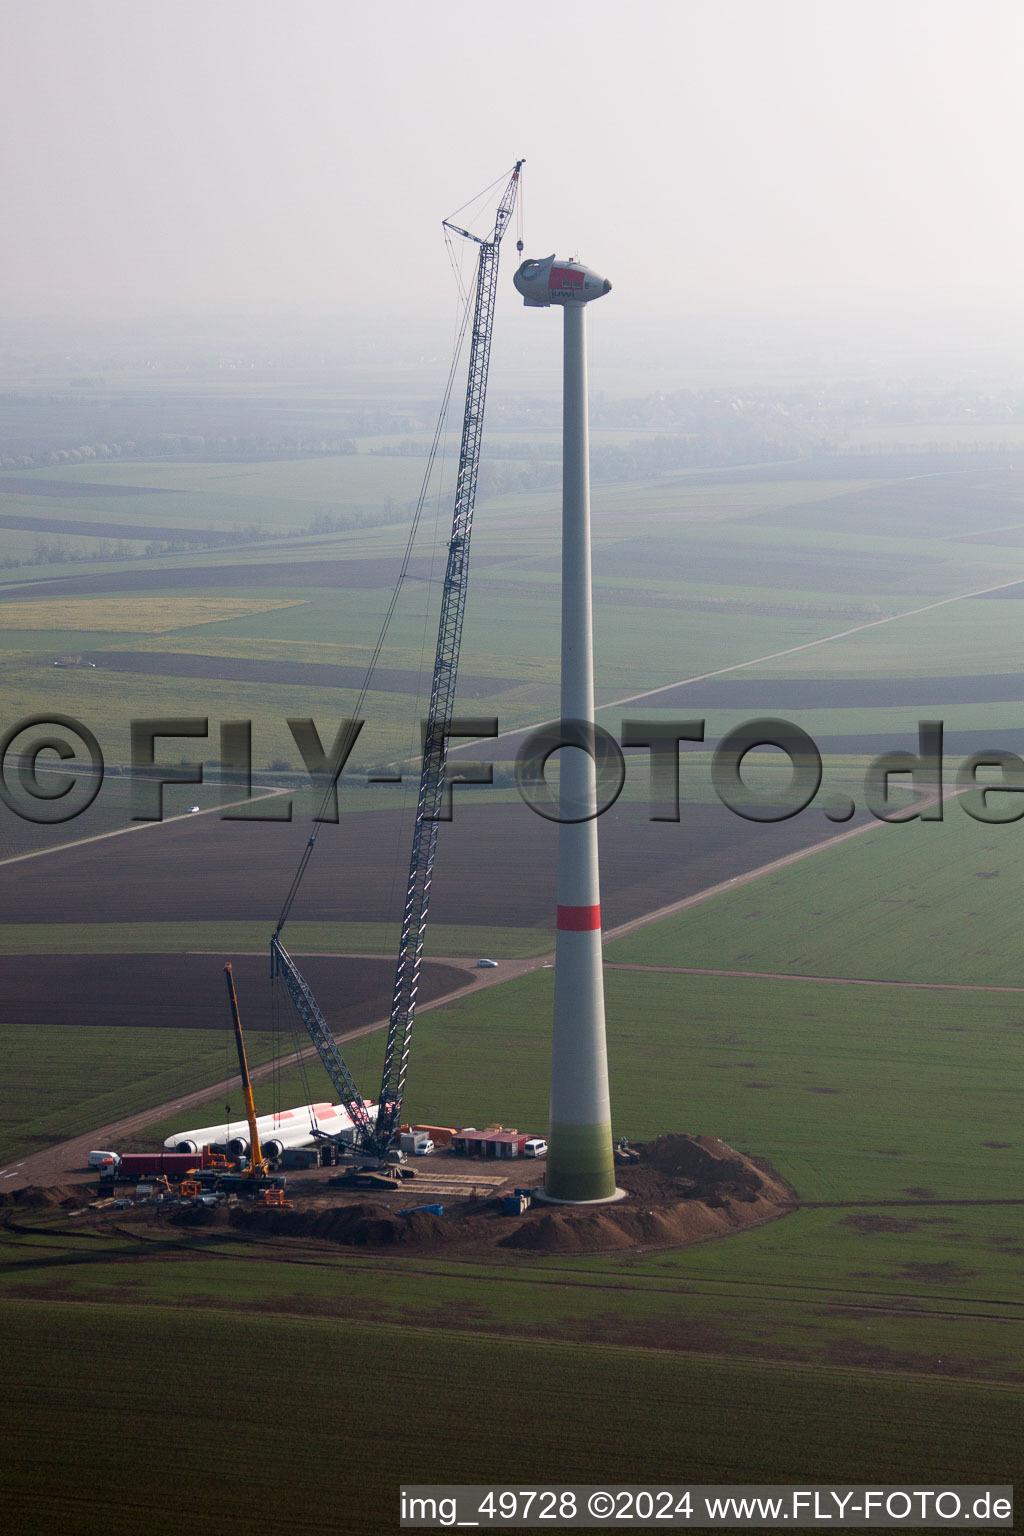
x: 470, y: 1143
x: 300, y: 1157
x: 411, y: 1141
x: 515, y: 1205
x: 440, y: 1135
x: 176, y: 1164
x: 433, y: 1210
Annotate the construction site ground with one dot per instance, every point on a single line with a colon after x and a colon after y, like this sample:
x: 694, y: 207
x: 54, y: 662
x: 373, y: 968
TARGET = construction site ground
x: 683, y: 1190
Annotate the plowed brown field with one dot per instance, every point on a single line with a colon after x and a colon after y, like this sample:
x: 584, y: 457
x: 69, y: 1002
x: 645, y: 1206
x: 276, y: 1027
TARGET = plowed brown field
x: 495, y: 866
x: 187, y: 991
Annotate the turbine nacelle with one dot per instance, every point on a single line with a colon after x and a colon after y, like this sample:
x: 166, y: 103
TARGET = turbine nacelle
x: 558, y: 282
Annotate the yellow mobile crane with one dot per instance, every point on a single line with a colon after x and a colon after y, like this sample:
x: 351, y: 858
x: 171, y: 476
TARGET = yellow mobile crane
x: 257, y: 1169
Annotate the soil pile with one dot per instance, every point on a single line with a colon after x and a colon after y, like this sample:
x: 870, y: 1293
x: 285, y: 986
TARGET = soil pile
x: 34, y: 1201
x: 563, y: 1232
x: 623, y: 1226
x: 682, y: 1190
x: 701, y: 1166
x: 358, y: 1226
x: 31, y: 1197
x: 200, y: 1216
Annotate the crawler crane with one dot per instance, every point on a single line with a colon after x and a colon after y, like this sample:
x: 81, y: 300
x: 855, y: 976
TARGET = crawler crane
x: 374, y: 1137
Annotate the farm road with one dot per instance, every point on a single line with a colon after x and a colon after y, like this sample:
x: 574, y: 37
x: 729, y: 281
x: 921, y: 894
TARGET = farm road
x: 144, y: 826
x: 840, y: 981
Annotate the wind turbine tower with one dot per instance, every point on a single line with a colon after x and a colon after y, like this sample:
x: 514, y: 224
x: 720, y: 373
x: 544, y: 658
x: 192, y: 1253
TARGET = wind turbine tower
x: 580, y: 1162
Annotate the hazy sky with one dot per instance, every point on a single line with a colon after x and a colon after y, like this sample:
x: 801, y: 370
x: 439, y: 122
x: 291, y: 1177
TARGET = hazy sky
x: 298, y: 155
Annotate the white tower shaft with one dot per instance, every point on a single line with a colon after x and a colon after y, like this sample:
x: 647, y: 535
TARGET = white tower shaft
x: 580, y: 1164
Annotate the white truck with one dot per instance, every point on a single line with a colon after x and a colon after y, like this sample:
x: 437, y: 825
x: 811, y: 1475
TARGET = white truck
x: 419, y: 1143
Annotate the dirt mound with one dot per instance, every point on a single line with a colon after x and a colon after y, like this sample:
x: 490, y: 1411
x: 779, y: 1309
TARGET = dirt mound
x: 200, y: 1216
x: 567, y: 1232
x: 683, y: 1189
x: 359, y: 1225
x: 626, y: 1226
x: 32, y: 1197
x: 701, y: 1166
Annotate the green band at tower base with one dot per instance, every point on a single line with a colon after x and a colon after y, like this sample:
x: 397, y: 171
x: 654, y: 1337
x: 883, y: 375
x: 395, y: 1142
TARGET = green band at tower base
x: 580, y: 1164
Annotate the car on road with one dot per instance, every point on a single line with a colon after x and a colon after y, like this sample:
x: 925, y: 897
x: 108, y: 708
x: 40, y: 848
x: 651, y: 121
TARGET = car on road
x: 487, y: 965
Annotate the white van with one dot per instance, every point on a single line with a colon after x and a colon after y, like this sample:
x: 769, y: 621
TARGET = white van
x: 536, y: 1147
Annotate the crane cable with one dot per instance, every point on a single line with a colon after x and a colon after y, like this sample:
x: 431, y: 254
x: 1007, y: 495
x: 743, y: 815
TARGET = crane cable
x: 307, y: 1091
x: 389, y: 615
x: 275, y: 1061
x: 479, y: 196
x: 449, y: 246
x: 383, y: 992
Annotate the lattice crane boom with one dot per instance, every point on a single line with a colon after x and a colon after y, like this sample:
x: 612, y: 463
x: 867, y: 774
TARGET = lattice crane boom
x: 376, y: 1137
x: 319, y: 1032
x: 442, y: 691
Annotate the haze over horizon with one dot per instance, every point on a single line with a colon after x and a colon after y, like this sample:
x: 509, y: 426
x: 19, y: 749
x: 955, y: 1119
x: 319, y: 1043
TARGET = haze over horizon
x: 835, y: 170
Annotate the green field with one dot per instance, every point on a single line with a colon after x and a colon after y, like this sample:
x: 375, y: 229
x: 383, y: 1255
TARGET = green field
x: 919, y: 901
x: 63, y: 1081
x: 333, y: 1470
x: 958, y: 639
x: 446, y: 939
x: 876, y: 1337
x: 702, y: 621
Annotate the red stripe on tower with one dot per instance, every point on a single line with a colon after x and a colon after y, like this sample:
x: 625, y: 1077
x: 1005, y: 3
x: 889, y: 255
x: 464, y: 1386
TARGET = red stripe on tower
x: 579, y: 919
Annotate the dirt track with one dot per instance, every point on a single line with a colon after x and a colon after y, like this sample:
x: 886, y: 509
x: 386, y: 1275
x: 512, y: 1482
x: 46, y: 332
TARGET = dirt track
x: 839, y: 981
x: 115, y: 530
